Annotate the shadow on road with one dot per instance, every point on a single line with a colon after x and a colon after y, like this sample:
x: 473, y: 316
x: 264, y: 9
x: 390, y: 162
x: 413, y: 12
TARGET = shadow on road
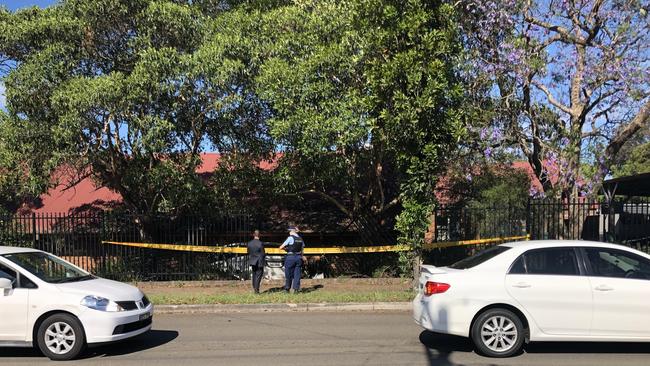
x: 439, y: 347
x: 152, y: 339
x: 19, y: 352
x: 587, y: 347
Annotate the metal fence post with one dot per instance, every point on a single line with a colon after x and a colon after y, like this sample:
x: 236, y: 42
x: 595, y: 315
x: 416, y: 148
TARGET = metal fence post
x: 529, y: 218
x: 34, y: 236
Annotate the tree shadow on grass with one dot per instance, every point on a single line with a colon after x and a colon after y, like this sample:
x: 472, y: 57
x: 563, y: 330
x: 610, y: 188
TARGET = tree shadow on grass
x: 302, y: 290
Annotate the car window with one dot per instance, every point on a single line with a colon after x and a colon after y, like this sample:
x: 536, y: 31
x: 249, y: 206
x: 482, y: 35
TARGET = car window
x: 20, y: 281
x: 479, y: 257
x: 48, y: 267
x: 8, y: 273
x: 25, y: 282
x: 518, y: 266
x: 549, y: 261
x: 617, y: 263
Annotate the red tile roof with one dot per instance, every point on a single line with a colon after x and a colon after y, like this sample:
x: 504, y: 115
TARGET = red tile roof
x: 86, y: 192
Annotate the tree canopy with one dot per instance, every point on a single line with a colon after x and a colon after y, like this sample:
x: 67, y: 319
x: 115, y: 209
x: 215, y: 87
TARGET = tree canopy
x: 123, y: 91
x: 565, y: 83
x: 357, y: 103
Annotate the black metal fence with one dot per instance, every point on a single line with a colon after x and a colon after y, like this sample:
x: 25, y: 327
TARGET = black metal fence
x: 625, y: 222
x: 453, y: 223
x: 467, y: 223
x: 79, y: 237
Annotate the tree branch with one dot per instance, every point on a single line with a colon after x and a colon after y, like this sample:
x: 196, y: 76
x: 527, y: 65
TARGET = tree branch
x: 551, y: 98
x: 641, y: 119
x: 567, y: 37
x: 329, y: 199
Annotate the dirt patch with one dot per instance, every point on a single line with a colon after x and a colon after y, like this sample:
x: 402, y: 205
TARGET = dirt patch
x: 364, y: 285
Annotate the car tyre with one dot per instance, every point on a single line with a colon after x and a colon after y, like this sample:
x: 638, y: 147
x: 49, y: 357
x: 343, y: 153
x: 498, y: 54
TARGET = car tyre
x: 61, y: 337
x: 498, y: 333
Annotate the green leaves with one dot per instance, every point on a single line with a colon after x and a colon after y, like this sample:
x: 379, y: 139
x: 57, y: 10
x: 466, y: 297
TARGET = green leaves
x: 132, y: 89
x: 637, y: 162
x: 361, y: 87
x: 360, y: 97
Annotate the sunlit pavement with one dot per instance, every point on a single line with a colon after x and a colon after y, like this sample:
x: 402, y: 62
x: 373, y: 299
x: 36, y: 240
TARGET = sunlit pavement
x: 349, y: 338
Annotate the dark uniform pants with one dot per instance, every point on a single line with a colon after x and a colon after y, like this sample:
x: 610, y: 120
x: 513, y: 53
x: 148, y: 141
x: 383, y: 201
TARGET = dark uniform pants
x: 258, y: 272
x: 292, y: 271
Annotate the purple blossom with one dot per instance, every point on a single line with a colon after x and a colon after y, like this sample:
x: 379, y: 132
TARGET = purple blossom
x: 488, y: 152
x: 615, y: 69
x: 497, y: 135
x: 483, y: 133
x: 535, y: 193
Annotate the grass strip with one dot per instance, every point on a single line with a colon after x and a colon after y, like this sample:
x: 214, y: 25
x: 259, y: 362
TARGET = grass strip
x: 281, y: 297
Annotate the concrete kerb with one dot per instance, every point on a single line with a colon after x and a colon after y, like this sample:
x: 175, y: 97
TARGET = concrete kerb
x: 285, y: 307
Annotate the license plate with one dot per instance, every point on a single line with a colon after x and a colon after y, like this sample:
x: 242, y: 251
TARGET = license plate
x: 145, y: 316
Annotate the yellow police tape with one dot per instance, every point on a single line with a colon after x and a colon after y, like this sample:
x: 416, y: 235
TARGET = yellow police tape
x: 312, y: 251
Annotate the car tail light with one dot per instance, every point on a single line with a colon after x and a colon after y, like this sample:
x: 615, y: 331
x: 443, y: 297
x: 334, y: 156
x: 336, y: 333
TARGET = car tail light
x: 432, y: 288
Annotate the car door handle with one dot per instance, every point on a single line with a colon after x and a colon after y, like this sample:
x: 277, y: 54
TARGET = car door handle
x: 604, y: 288
x: 521, y: 285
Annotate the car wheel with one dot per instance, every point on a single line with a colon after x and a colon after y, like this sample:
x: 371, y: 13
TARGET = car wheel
x: 61, y: 337
x: 498, y: 333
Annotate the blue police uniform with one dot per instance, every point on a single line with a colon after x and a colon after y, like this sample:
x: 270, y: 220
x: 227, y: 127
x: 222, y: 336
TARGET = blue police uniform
x: 293, y: 262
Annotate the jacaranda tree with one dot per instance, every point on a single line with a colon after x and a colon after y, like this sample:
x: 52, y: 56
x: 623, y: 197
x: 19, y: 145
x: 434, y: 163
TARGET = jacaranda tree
x: 567, y: 83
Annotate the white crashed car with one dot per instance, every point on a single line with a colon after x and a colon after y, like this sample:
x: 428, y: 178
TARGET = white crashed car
x: 48, y: 302
x: 539, y: 291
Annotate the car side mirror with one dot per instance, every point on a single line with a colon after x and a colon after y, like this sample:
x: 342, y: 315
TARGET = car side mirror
x: 6, y: 284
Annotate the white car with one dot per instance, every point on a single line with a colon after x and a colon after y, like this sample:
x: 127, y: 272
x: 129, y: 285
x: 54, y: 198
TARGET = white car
x: 51, y: 303
x: 539, y: 291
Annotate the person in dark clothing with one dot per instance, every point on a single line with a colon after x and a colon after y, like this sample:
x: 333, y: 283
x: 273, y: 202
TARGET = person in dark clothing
x: 256, y: 259
x: 294, y: 246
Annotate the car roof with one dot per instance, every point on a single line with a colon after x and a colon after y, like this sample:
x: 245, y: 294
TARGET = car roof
x: 536, y: 244
x: 13, y: 250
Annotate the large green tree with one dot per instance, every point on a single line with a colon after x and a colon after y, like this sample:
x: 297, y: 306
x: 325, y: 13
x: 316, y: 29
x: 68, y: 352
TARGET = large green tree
x: 125, y: 92
x: 365, y: 104
x: 358, y: 101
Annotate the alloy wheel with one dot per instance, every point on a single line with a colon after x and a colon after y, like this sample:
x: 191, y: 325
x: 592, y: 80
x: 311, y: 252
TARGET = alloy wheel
x: 60, y: 338
x: 499, y: 333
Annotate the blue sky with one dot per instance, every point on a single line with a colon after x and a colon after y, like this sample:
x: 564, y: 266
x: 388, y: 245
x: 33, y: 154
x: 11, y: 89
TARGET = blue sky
x: 2, y: 95
x: 17, y: 4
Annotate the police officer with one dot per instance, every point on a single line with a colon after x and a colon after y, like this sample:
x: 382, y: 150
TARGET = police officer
x: 294, y: 246
x: 256, y: 259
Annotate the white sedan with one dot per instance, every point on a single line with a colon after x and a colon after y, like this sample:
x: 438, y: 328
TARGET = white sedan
x: 51, y: 303
x: 539, y: 291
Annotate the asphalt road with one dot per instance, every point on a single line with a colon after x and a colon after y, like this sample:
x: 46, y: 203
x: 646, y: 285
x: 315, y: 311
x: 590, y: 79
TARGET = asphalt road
x: 319, y: 339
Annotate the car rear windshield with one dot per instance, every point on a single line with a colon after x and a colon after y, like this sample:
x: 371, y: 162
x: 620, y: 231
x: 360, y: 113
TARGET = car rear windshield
x: 479, y: 257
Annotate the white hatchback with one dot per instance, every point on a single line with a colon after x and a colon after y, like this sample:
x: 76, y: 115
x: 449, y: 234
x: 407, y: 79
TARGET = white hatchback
x: 539, y: 291
x: 61, y: 308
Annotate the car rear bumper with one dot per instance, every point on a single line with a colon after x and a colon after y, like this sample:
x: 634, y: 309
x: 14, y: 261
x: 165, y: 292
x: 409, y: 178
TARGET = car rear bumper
x: 419, y: 313
x: 439, y: 315
x: 104, y: 327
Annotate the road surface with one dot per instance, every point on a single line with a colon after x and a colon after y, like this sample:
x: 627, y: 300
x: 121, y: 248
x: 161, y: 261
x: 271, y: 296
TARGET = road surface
x: 315, y: 339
